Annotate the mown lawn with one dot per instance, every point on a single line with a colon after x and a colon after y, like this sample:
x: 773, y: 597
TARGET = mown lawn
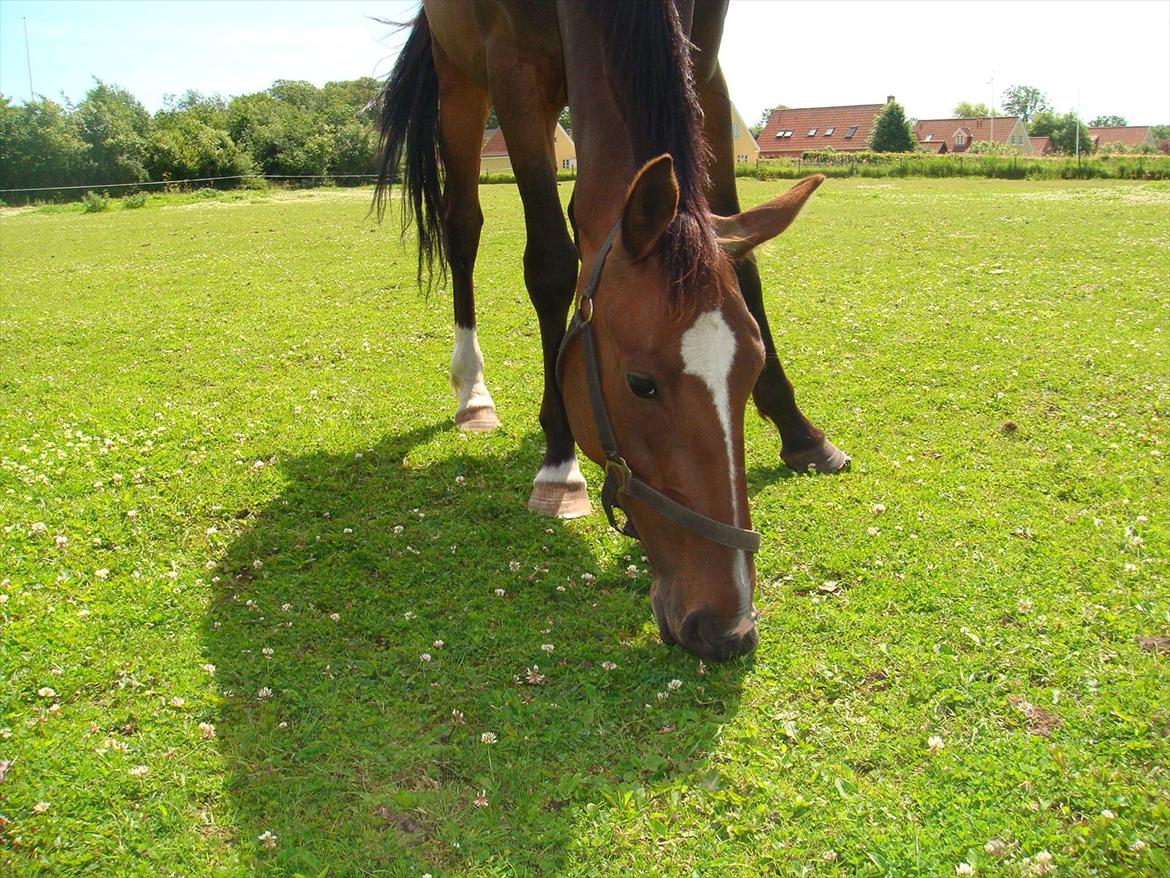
x: 235, y: 514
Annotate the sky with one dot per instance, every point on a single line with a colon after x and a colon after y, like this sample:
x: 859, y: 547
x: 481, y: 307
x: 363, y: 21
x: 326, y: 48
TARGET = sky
x: 1097, y: 56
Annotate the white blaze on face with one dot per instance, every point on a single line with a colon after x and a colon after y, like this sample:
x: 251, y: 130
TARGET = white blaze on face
x: 467, y: 371
x: 708, y: 352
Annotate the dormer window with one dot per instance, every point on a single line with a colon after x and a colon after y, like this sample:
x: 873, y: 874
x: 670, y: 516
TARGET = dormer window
x: 850, y: 131
x: 812, y: 132
x: 960, y: 138
x: 829, y: 132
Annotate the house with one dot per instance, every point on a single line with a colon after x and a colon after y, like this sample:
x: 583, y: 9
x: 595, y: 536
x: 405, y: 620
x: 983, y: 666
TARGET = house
x: 746, y: 148
x: 959, y: 134
x: 790, y: 132
x: 1041, y: 145
x: 1131, y: 136
x: 493, y: 158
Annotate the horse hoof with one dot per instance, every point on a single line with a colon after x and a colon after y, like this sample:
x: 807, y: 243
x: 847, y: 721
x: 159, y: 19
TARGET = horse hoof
x: 823, y: 458
x: 482, y: 419
x: 558, y: 500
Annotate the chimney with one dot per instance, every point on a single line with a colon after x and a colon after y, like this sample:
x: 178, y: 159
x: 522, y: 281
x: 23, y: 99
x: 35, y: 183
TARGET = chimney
x: 889, y: 99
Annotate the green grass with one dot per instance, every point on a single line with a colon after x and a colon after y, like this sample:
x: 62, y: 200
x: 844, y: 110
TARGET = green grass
x: 228, y: 404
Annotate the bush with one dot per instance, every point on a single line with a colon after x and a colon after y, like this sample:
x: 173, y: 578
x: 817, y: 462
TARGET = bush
x: 94, y: 203
x: 134, y: 201
x: 254, y: 181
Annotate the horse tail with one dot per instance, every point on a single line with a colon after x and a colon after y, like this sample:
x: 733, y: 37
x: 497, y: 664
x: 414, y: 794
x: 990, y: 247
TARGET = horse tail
x: 408, y: 127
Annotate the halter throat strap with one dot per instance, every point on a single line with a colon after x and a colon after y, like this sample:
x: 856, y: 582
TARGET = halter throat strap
x: 619, y: 480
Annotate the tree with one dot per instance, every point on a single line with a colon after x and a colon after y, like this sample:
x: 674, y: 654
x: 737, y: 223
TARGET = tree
x: 39, y: 146
x: 968, y: 110
x: 1062, y: 128
x: 891, y: 131
x: 115, y: 127
x: 1025, y: 101
x: 1108, y: 122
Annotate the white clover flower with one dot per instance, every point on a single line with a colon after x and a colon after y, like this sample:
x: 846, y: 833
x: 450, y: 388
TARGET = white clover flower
x: 662, y: 696
x: 40, y: 807
x: 513, y: 566
x: 103, y: 573
x: 878, y: 508
x: 46, y: 692
x: 534, y: 676
x: 1138, y: 846
x: 547, y: 647
x: 178, y: 701
x: 964, y: 869
x: 500, y: 592
x: 266, y: 651
x: 207, y: 730
x: 481, y: 800
x: 266, y: 838
x: 425, y: 657
x: 210, y: 669
x: 139, y: 771
x: 488, y: 738
x: 336, y: 617
x: 264, y: 693
x: 457, y: 717
x: 995, y: 848
x: 608, y: 665
x: 934, y: 744
x: 674, y: 684
x: 60, y: 540
x: 1107, y: 814
x: 438, y: 644
x: 408, y: 615
x: 285, y: 607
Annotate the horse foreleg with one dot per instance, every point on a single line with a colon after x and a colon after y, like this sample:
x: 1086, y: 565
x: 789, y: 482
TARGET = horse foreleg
x: 528, y: 114
x: 804, y: 447
x: 463, y: 107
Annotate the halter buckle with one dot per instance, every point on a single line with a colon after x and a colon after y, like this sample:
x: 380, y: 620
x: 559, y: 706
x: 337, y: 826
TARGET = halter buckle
x: 617, y: 469
x: 586, y: 310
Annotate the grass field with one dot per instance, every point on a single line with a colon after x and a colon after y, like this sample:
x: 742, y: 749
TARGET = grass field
x: 235, y: 519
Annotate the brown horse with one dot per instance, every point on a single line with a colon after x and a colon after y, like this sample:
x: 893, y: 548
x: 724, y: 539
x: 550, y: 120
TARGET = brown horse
x: 669, y: 338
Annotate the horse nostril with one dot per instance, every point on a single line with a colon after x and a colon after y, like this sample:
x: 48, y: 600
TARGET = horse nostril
x: 704, y: 634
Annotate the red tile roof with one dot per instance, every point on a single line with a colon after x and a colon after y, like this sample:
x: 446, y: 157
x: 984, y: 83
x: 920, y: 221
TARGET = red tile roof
x: 493, y: 143
x: 977, y: 129
x: 1131, y: 135
x: 831, y: 124
x: 1041, y: 145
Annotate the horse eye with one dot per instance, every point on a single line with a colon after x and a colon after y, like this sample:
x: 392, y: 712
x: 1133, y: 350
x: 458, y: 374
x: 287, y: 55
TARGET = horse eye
x: 642, y: 385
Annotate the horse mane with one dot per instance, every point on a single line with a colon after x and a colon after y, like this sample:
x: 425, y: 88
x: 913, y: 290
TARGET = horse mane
x: 649, y: 60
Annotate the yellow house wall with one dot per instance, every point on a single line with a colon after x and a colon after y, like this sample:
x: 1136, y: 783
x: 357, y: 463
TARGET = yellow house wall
x: 746, y: 148
x: 563, y: 148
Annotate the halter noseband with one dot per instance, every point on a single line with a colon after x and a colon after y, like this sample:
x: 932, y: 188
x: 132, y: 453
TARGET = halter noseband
x: 619, y: 479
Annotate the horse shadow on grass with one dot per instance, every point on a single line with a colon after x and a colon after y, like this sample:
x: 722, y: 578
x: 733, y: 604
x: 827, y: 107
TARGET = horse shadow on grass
x: 387, y: 710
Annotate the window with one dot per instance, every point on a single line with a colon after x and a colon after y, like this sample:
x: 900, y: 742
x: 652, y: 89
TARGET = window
x: 929, y: 138
x: 812, y: 132
x: 829, y: 132
x: 850, y: 131
x: 960, y: 138
x: 735, y: 129
x: 784, y: 132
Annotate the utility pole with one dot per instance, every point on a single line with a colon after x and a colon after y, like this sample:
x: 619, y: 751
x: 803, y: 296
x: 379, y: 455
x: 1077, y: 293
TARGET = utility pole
x: 1077, y: 122
x: 28, y: 58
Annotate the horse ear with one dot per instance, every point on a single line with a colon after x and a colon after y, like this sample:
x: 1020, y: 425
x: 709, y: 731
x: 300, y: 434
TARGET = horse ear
x: 740, y: 234
x: 651, y: 202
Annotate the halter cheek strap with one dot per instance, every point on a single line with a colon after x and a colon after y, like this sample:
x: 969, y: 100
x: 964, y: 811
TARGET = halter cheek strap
x: 619, y: 480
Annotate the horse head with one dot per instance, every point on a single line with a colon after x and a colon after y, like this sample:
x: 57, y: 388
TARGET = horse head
x: 674, y: 384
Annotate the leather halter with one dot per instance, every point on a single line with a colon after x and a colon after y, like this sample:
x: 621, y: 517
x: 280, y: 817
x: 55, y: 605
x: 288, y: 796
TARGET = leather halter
x: 619, y: 480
